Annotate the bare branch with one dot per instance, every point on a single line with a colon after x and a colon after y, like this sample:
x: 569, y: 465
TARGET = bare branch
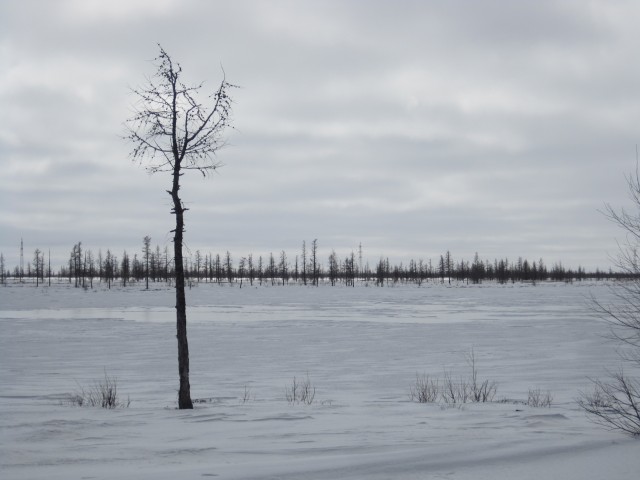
x: 615, y: 403
x: 170, y: 121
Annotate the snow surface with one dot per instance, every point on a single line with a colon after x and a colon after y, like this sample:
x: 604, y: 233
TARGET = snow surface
x: 361, y: 348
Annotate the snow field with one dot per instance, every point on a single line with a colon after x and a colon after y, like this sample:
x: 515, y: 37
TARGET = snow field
x: 361, y: 348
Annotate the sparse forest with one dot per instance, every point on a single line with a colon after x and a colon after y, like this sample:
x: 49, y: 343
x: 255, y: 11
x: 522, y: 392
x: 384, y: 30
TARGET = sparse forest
x: 156, y: 265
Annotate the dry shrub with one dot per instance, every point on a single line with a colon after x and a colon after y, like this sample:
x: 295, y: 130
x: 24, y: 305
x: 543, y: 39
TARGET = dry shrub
x: 425, y: 390
x: 538, y: 398
x: 449, y: 391
x: 300, y: 391
x: 103, y: 393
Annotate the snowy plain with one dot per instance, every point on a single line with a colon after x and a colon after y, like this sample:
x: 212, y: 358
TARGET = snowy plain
x: 361, y: 348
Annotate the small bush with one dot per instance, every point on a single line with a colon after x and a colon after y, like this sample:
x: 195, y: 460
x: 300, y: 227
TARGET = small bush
x: 480, y: 391
x: 103, y: 393
x: 454, y: 392
x: 538, y: 398
x: 300, y: 392
x: 425, y: 390
x: 247, y: 395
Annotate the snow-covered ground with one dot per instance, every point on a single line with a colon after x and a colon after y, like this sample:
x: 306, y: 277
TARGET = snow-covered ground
x: 361, y: 348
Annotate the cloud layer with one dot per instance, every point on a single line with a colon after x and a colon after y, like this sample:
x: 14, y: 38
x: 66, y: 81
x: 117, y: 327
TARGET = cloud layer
x: 412, y: 127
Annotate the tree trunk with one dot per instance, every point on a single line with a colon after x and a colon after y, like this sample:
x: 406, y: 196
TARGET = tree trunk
x: 184, y: 394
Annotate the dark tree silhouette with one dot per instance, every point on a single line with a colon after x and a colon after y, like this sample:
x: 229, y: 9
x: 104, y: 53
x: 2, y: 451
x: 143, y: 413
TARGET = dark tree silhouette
x: 38, y: 265
x: 109, y: 268
x: 90, y: 263
x: 282, y: 267
x: 146, y: 251
x: 218, y: 269
x: 228, y: 267
x: 173, y: 131
x: 75, y: 264
x: 125, y: 268
x: 198, y: 261
x: 242, y: 265
x: 448, y: 265
x: 333, y: 267
x: 251, y: 272
x: 442, y: 270
x: 272, y: 269
x: 314, y: 261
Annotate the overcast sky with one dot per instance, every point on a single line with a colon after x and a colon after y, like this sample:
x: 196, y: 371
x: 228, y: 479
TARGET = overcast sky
x: 412, y: 127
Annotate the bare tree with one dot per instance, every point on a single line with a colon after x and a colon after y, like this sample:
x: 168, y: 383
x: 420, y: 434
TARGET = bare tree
x: 90, y: 263
x: 156, y: 265
x: 260, y: 270
x: 333, y: 267
x: 615, y: 402
x: 173, y: 131
x: 109, y: 268
x: 146, y: 251
x: 251, y: 272
x: 218, y: 269
x: 284, y: 274
x: 241, y: 269
x: 125, y: 268
x: 75, y: 264
x: 350, y: 269
x: 98, y: 261
x: 314, y: 261
x: 228, y: 267
x: 448, y: 266
x: 272, y: 269
x: 442, y: 269
x: 38, y: 264
x: 625, y: 315
x: 198, y: 262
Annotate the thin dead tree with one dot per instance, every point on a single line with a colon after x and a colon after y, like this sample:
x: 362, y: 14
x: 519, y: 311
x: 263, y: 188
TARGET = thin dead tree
x: 615, y: 402
x: 146, y: 251
x: 172, y: 130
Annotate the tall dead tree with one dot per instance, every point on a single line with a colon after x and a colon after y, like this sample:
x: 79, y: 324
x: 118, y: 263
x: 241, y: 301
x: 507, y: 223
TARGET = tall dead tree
x: 38, y: 264
x: 173, y: 130
x: 146, y: 251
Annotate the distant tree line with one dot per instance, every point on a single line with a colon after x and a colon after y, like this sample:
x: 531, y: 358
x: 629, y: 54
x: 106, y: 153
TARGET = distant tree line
x: 306, y: 268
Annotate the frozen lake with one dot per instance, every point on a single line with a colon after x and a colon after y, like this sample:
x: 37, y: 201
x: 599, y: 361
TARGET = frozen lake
x: 361, y: 348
